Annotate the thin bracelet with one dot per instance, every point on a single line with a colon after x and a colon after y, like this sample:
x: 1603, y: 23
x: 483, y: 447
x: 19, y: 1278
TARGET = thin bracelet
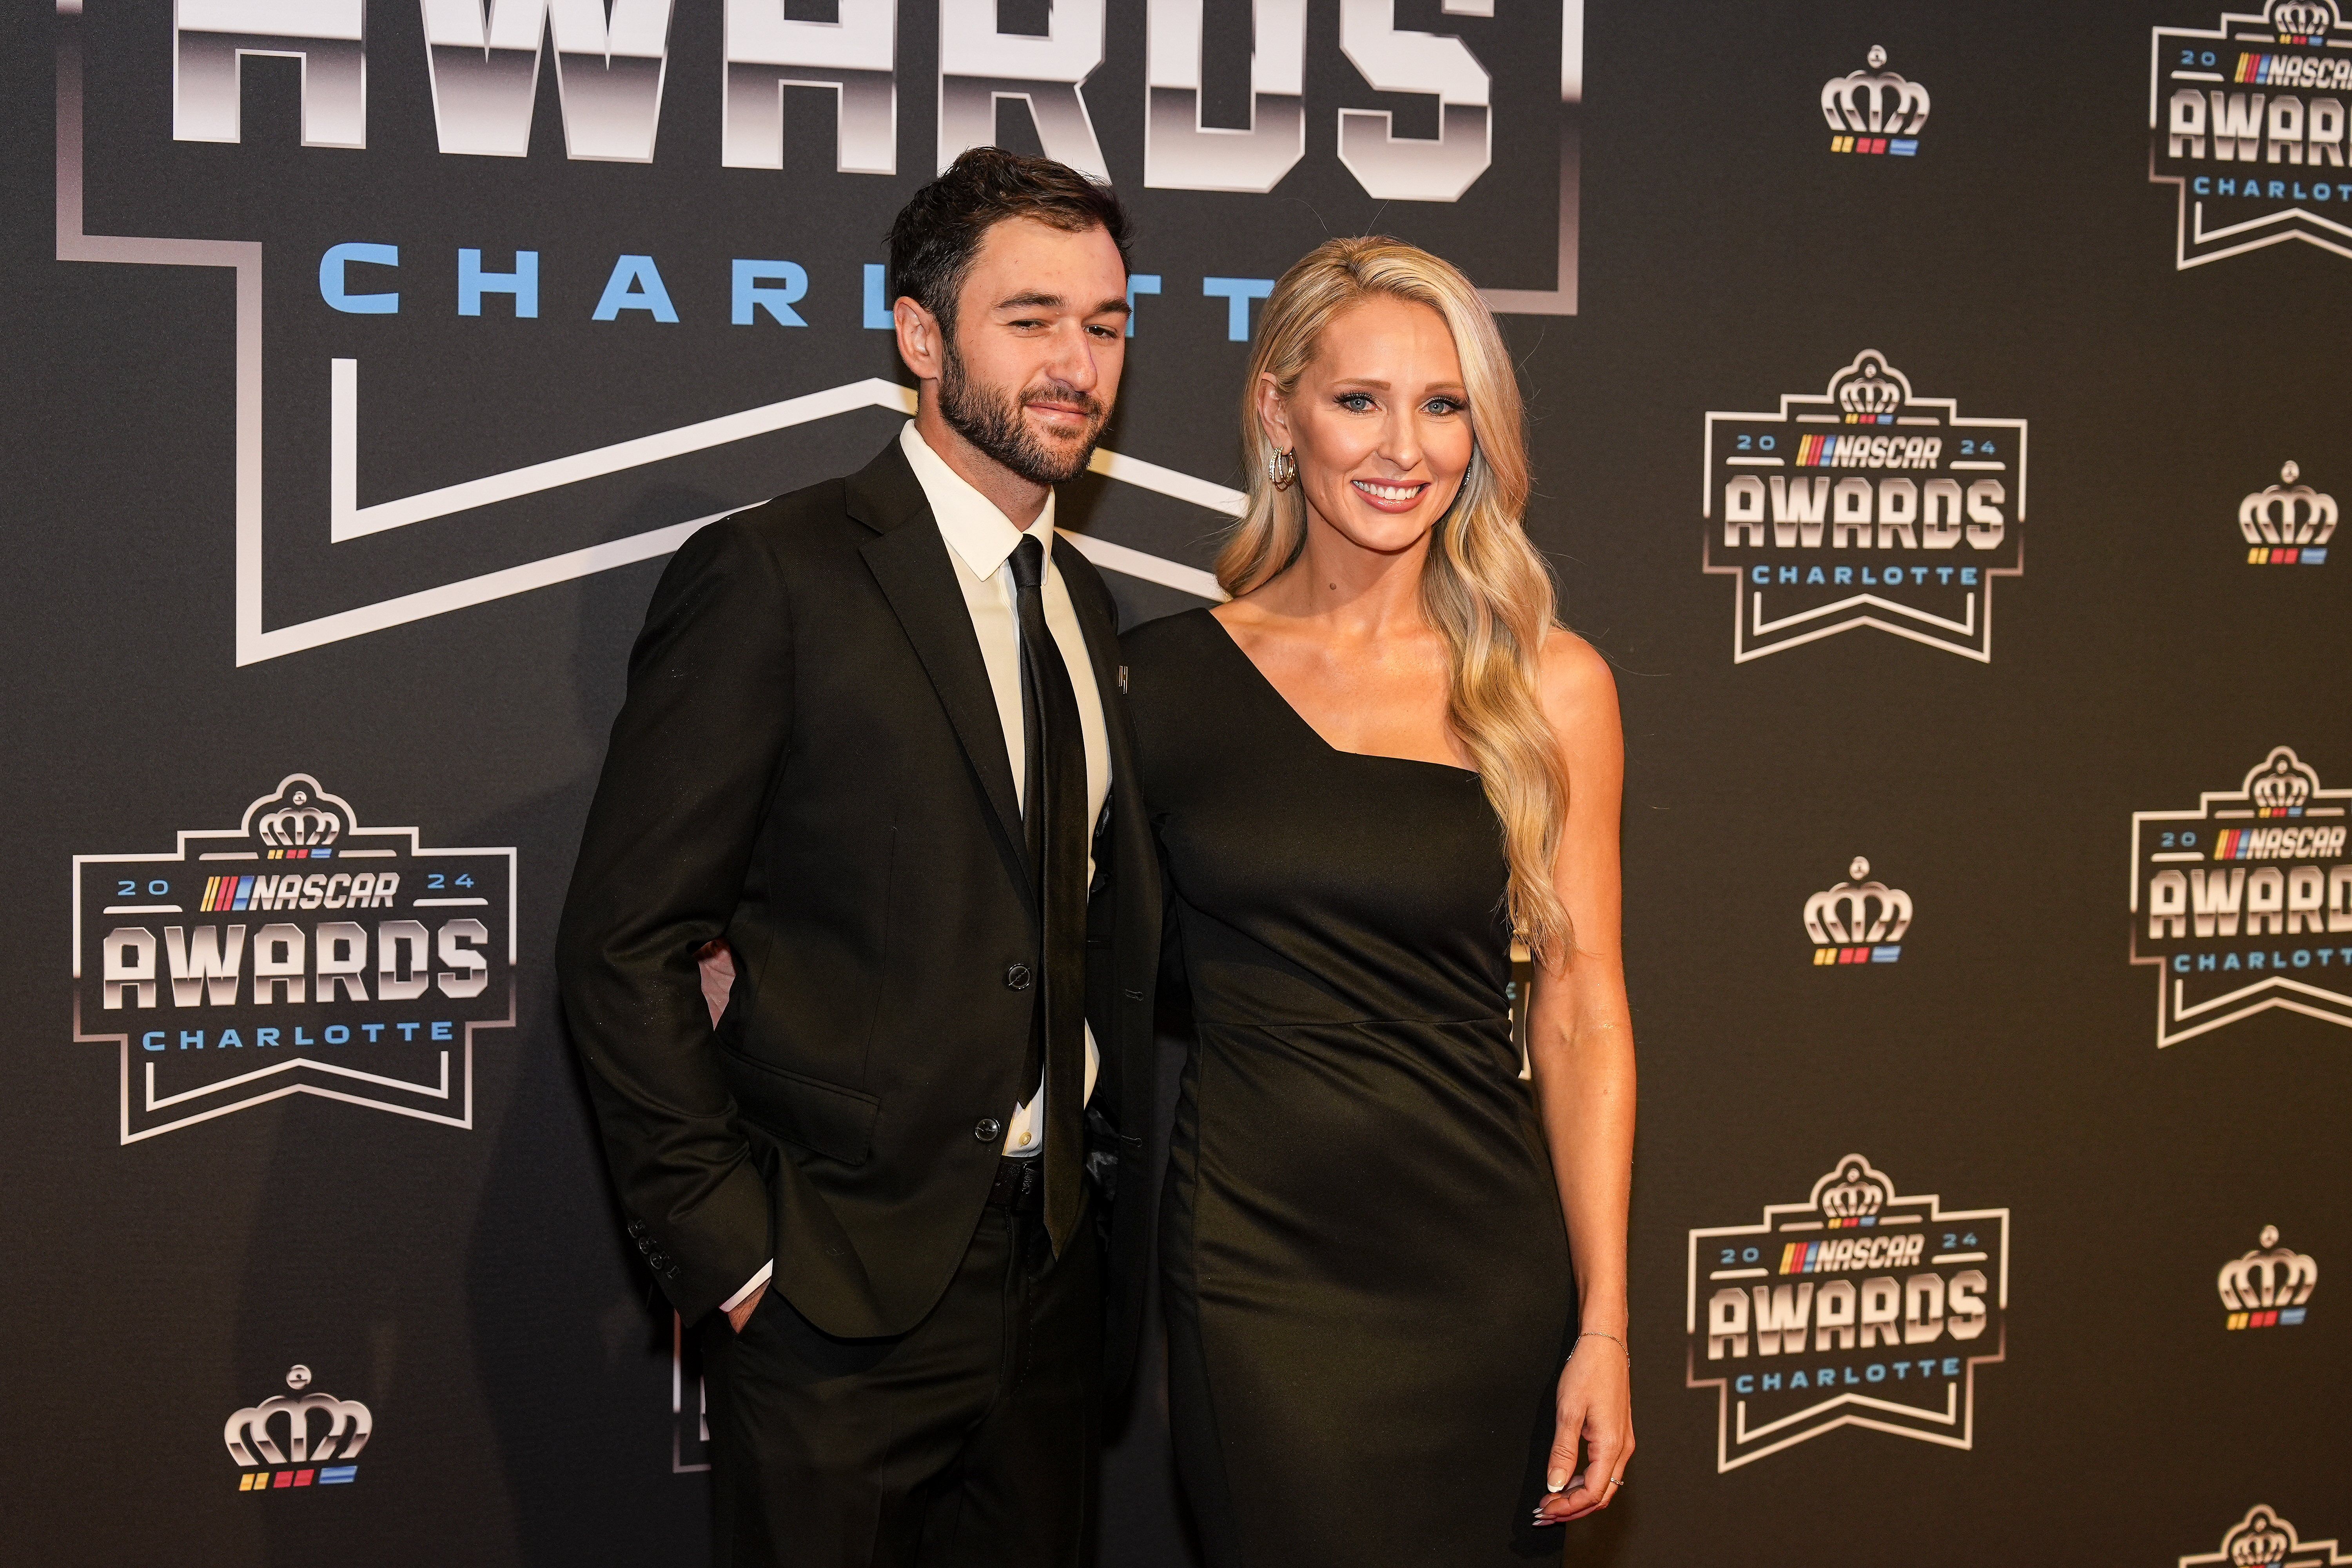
x: 1598, y: 1334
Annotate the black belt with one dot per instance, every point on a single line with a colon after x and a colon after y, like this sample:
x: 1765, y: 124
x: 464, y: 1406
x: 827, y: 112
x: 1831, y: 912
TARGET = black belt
x: 1020, y: 1185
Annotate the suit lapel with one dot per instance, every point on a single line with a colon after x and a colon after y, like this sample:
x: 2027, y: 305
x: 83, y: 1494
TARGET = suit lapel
x: 1091, y: 600
x: 910, y: 560
x: 1123, y: 841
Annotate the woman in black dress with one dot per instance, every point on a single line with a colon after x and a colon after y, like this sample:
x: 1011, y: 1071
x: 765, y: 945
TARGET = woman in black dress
x: 1395, y: 1259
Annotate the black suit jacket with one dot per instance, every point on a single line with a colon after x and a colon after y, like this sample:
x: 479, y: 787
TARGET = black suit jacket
x: 809, y: 764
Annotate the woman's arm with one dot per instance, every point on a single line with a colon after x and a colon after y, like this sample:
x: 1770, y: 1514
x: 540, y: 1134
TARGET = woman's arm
x: 1581, y: 1046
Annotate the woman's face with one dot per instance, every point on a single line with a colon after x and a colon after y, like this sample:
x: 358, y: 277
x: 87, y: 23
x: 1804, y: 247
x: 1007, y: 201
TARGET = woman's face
x: 1380, y: 423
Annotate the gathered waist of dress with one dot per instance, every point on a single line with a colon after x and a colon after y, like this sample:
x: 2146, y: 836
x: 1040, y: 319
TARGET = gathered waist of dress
x: 1487, y: 1021
x: 1446, y: 1057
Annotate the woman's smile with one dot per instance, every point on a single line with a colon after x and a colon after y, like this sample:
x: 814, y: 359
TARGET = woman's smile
x: 1390, y: 497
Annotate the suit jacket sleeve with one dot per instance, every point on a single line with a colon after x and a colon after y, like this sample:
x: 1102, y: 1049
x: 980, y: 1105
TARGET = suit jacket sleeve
x: 694, y: 759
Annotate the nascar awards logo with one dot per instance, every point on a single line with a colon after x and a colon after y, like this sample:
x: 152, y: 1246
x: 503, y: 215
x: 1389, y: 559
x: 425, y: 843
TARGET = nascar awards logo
x: 1864, y: 505
x: 2264, y: 1539
x: 2267, y: 1287
x: 1856, y: 1307
x: 2246, y: 122
x: 2287, y: 525
x: 1858, y: 922
x: 265, y: 1464
x: 298, y: 953
x: 1874, y: 111
x: 2245, y: 903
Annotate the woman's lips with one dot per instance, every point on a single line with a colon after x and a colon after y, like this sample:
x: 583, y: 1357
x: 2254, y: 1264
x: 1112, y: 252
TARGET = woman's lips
x: 1390, y: 497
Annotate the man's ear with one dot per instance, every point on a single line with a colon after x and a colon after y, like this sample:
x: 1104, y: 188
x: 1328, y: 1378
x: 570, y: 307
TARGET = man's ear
x: 920, y: 343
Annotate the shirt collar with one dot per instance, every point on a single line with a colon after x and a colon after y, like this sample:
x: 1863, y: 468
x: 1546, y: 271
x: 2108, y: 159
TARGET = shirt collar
x: 977, y: 533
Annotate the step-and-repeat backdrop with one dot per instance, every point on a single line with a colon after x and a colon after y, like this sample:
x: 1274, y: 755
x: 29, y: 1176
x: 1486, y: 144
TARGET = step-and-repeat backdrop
x: 1989, y: 909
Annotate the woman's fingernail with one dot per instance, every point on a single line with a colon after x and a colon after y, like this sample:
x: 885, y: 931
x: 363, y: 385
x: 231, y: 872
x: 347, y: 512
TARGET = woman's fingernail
x: 1555, y: 1481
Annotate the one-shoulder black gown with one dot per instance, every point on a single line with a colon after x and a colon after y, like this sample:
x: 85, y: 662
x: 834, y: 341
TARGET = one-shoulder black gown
x: 1368, y: 1288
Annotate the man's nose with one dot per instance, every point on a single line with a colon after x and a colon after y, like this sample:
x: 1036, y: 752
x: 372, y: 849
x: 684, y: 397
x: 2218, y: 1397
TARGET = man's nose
x: 1073, y: 361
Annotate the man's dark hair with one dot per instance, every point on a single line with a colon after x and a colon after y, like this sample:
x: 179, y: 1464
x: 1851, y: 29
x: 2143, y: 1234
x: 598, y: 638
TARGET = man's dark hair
x: 935, y: 236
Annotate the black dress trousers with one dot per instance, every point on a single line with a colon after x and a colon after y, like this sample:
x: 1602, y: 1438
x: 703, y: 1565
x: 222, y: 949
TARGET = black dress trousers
x: 967, y: 1442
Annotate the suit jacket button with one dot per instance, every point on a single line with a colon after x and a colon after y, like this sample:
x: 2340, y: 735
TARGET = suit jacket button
x: 1017, y: 977
x: 987, y: 1130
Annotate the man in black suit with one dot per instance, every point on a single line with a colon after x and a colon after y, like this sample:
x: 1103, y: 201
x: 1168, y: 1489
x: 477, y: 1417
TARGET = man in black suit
x: 872, y: 745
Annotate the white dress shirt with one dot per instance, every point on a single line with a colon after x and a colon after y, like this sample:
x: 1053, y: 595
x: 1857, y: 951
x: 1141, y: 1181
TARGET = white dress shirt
x: 981, y: 540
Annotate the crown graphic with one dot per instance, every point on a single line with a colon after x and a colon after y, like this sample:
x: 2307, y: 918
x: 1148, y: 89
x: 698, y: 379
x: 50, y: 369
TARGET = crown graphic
x: 2260, y: 1540
x: 300, y: 815
x: 2283, y: 783
x: 252, y: 1441
x: 1875, y: 101
x: 2270, y: 1275
x: 1857, y: 911
x: 2287, y: 512
x: 2302, y: 18
x: 1870, y: 387
x: 1853, y: 1190
x: 300, y: 826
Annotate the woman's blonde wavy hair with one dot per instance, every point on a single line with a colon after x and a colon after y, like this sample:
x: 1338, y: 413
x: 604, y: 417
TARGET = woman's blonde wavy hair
x: 1484, y: 586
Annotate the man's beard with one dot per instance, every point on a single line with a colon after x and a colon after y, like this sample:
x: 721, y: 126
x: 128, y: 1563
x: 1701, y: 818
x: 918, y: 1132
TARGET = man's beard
x: 991, y: 420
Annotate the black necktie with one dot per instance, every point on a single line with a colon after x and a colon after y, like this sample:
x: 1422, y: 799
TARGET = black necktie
x: 1053, y: 814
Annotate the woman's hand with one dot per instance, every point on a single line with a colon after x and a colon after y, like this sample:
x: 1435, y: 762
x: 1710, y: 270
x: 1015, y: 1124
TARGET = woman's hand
x: 1596, y: 1407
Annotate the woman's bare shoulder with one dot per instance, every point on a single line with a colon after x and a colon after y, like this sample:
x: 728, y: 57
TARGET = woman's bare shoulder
x: 1579, y: 687
x: 1236, y: 614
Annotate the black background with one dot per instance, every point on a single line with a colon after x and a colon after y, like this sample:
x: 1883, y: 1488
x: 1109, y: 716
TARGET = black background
x: 472, y: 1287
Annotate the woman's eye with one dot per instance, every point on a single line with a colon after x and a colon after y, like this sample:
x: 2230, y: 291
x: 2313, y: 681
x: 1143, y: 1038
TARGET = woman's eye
x: 1355, y: 402
x: 1443, y: 405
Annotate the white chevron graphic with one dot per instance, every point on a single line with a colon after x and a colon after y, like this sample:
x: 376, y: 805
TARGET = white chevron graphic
x: 349, y: 520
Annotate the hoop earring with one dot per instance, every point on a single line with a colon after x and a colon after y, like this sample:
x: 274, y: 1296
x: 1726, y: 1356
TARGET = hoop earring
x: 1281, y: 468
